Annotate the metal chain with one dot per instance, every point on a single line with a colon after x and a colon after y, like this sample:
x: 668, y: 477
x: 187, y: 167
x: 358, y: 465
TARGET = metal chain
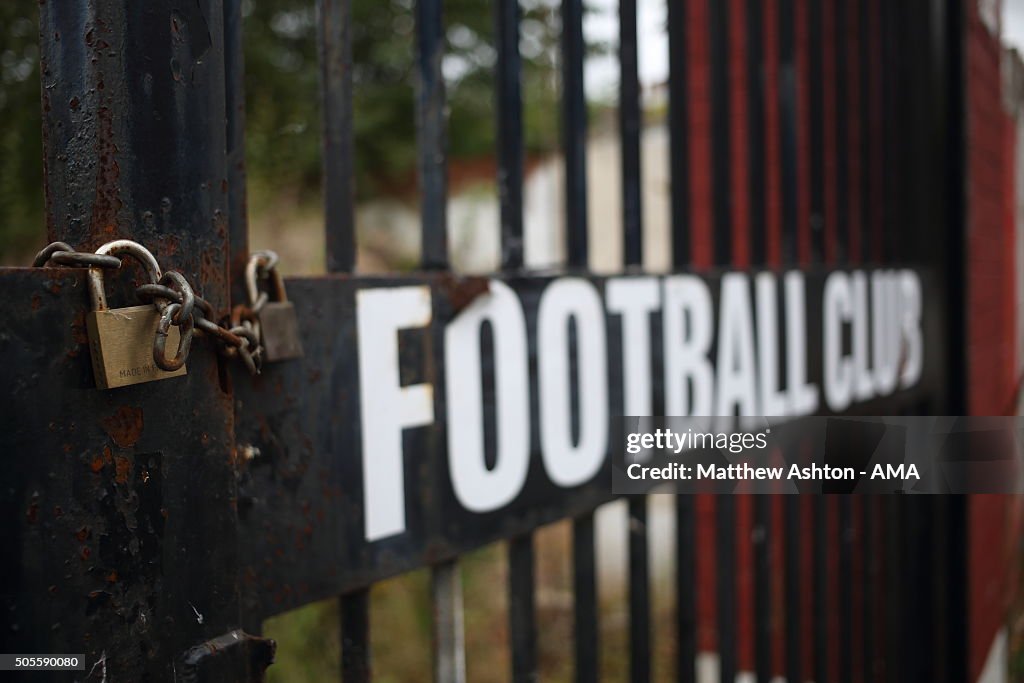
x: 179, y: 306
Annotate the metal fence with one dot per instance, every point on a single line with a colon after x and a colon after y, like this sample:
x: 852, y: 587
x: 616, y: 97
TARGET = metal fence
x: 140, y: 532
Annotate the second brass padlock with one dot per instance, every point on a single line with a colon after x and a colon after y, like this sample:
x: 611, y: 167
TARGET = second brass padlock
x: 121, y: 339
x: 277, y: 321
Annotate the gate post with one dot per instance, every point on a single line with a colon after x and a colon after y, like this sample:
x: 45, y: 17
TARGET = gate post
x: 126, y: 546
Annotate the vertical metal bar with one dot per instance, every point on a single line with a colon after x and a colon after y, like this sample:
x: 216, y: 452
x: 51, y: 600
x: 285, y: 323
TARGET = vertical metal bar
x: 819, y: 587
x: 574, y: 141
x: 679, y: 166
x: 725, y: 535
x: 756, y: 130
x: 509, y: 110
x: 355, y: 637
x: 761, y: 538
x: 817, y: 132
x: 870, y: 552
x: 788, y: 128
x: 915, y: 607
x: 840, y: 44
x: 877, y: 126
x: 521, y: 591
x: 954, y: 26
x: 114, y: 168
x: 721, y: 144
x: 334, y: 37
x: 686, y: 591
x: 574, y: 132
x: 630, y: 126
x: 639, y: 593
x: 956, y: 638
x: 846, y: 532
x: 585, y: 599
x: 867, y: 130
x: 522, y: 618
x: 938, y: 591
x: 234, y: 91
x: 679, y: 132
x: 763, y: 635
x: 431, y: 124
x: 893, y: 635
x: 449, y: 630
x: 793, y: 590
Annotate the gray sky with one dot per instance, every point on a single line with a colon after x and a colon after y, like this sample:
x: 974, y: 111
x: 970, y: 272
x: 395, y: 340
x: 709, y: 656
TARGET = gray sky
x: 602, y: 74
x: 1013, y: 23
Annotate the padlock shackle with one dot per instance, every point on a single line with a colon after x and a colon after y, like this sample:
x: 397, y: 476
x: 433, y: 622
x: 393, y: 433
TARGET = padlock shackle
x: 268, y: 261
x: 97, y: 295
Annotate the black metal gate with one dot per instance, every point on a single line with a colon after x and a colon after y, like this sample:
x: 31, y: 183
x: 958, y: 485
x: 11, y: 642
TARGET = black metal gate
x: 141, y: 532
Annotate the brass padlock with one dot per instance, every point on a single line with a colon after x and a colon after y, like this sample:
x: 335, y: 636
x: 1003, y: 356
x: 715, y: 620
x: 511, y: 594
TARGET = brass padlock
x: 121, y: 340
x: 276, y: 322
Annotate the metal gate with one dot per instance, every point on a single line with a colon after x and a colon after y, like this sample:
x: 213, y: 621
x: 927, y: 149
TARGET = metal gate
x: 142, y: 531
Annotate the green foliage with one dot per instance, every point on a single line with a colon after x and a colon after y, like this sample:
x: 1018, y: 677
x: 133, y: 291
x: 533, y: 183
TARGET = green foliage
x: 21, y: 148
x: 283, y: 89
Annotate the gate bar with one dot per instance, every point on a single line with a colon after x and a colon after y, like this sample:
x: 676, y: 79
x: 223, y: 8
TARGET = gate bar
x: 356, y: 662
x: 846, y: 530
x: 721, y: 138
x: 334, y: 43
x: 761, y: 537
x: 816, y: 129
x: 522, y: 620
x: 574, y: 142
x: 234, y: 91
x: 679, y: 145
x: 841, y: 110
x: 630, y: 130
x: 794, y: 595
x: 431, y: 123
x: 763, y: 631
x: 756, y: 68
x: 787, y: 106
x: 819, y: 586
x: 679, y: 168
x: 509, y: 109
x: 113, y: 170
x: 521, y: 609
x: 574, y: 132
x: 725, y: 559
x: 334, y: 38
x: 584, y: 581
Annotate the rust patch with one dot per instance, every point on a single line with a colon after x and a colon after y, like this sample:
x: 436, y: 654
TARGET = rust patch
x: 108, y: 201
x: 462, y: 291
x: 122, y: 469
x: 125, y: 426
x: 100, y: 461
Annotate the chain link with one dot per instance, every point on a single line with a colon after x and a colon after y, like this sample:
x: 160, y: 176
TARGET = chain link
x: 179, y: 306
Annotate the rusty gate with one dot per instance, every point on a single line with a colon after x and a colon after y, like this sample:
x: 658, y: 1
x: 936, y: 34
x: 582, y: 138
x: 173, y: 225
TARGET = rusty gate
x: 154, y: 527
